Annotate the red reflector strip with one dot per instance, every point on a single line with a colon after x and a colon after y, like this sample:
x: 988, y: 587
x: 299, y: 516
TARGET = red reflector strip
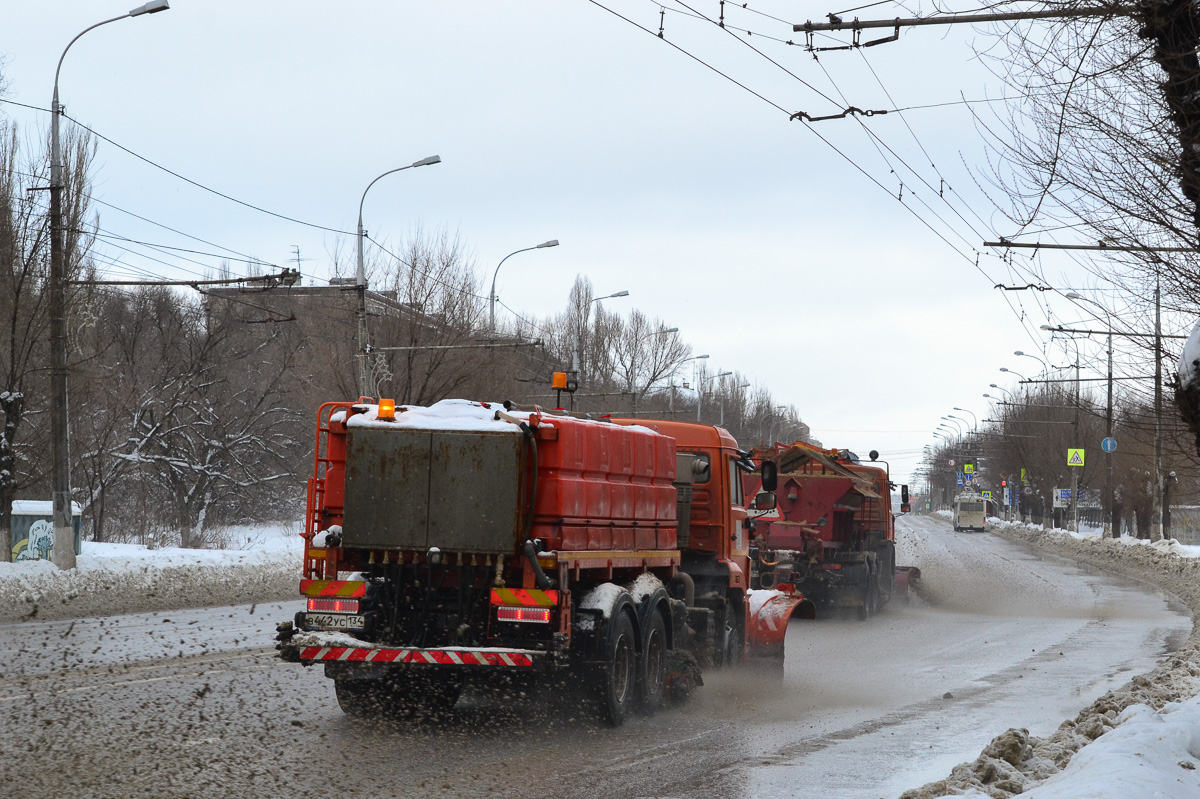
x: 525, y: 597
x: 334, y: 605
x: 831, y: 565
x: 540, y: 615
x: 432, y: 656
x: 346, y: 588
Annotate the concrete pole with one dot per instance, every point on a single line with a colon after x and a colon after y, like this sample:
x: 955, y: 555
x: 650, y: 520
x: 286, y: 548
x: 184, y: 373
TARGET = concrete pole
x: 1156, y: 501
x: 63, y: 553
x: 1108, y: 458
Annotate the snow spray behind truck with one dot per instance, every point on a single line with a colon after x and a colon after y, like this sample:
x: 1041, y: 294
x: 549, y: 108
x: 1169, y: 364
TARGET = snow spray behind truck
x: 470, y: 541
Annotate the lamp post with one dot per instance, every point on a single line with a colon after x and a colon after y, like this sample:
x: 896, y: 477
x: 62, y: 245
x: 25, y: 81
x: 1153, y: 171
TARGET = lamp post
x: 721, y: 423
x: 640, y: 339
x: 492, y: 296
x: 975, y: 419
x: 671, y: 401
x: 999, y: 388
x: 64, y: 529
x: 1045, y: 366
x: 700, y: 390
x: 365, y: 389
x: 579, y: 322
x: 955, y: 420
x: 1006, y: 370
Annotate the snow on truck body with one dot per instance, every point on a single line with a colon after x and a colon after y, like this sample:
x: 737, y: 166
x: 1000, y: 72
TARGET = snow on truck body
x: 467, y: 539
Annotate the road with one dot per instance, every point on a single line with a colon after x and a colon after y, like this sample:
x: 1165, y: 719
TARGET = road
x: 191, y: 703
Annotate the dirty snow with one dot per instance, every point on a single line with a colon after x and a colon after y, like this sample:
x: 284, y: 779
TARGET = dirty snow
x: 1140, y: 740
x: 645, y: 585
x: 130, y: 578
x: 602, y: 598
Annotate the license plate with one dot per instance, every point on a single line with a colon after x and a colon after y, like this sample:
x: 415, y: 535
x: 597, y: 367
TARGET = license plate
x: 334, y: 621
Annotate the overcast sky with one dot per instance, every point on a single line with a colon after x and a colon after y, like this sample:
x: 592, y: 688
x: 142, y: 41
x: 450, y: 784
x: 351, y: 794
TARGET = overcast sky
x: 778, y: 256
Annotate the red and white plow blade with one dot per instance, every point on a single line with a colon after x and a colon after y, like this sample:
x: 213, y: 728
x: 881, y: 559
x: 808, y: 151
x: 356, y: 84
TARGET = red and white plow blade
x: 770, y: 612
x: 442, y: 657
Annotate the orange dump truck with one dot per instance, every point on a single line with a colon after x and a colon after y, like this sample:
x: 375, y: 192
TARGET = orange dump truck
x: 832, y: 535
x: 470, y: 541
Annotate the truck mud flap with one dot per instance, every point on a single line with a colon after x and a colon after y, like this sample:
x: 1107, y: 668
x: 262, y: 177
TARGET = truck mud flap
x: 906, y: 580
x: 770, y: 612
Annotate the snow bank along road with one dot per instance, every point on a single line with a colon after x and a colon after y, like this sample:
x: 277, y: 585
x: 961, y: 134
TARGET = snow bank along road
x: 187, y: 703
x: 1142, y: 739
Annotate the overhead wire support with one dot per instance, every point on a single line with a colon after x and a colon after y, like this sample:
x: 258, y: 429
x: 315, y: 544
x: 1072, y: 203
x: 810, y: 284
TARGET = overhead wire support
x: 836, y: 23
x: 1005, y: 243
x: 805, y: 117
x: 288, y: 277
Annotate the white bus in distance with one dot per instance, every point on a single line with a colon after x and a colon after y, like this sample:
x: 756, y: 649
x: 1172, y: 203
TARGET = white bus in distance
x: 970, y: 512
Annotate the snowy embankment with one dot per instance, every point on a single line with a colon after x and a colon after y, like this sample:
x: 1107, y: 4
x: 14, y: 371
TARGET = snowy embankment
x: 129, y: 578
x: 1140, y: 740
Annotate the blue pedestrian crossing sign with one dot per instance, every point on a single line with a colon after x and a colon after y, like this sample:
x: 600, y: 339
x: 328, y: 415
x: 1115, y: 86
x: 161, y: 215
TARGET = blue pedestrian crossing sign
x: 1109, y: 444
x: 986, y: 494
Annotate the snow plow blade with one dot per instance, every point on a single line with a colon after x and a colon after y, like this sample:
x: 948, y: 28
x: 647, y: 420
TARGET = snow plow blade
x: 770, y: 612
x: 907, y: 578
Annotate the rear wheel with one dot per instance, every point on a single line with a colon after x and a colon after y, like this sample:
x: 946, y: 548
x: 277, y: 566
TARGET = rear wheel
x: 654, y: 662
x: 619, y: 676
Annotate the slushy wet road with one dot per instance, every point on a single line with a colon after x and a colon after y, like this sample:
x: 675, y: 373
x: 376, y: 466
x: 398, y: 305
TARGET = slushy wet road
x: 193, y: 703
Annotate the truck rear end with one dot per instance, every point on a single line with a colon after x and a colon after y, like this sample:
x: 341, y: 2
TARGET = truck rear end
x: 470, y: 542
x: 832, y: 536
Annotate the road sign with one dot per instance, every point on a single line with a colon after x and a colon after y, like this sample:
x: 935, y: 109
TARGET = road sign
x: 952, y: 461
x: 1109, y: 444
x: 960, y: 482
x: 1027, y: 490
x: 1023, y: 478
x: 986, y: 494
x: 1074, y: 457
x: 968, y: 468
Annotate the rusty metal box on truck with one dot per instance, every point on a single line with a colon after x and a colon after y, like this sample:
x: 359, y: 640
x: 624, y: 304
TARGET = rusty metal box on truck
x: 469, y: 541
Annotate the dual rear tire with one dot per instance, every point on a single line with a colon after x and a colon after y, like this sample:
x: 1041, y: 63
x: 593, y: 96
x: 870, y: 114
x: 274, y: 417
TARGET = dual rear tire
x: 634, y: 676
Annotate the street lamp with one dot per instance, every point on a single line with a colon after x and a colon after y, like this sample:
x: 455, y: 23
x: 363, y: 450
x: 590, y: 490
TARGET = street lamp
x: 639, y: 340
x: 64, y: 530
x: 492, y: 296
x: 671, y: 400
x: 1000, y: 388
x: 1011, y: 372
x: 700, y: 390
x: 956, y: 420
x: 1045, y: 365
x: 973, y: 417
x: 579, y: 322
x: 365, y: 389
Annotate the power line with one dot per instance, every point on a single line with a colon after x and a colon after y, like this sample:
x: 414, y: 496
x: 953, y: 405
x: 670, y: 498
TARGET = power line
x: 206, y: 188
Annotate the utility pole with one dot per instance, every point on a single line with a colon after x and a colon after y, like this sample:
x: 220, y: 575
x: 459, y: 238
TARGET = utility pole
x: 1075, y: 433
x: 1108, y: 458
x: 63, y: 554
x: 1156, y: 527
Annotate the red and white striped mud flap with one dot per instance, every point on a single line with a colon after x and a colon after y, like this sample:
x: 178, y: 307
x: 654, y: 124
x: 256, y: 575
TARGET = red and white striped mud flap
x: 441, y: 657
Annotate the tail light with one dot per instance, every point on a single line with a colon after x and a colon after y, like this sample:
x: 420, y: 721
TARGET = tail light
x: 333, y: 605
x: 535, y: 615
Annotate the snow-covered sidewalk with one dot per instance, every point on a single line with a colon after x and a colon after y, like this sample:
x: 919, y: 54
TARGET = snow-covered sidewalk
x: 129, y: 578
x: 1141, y: 740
